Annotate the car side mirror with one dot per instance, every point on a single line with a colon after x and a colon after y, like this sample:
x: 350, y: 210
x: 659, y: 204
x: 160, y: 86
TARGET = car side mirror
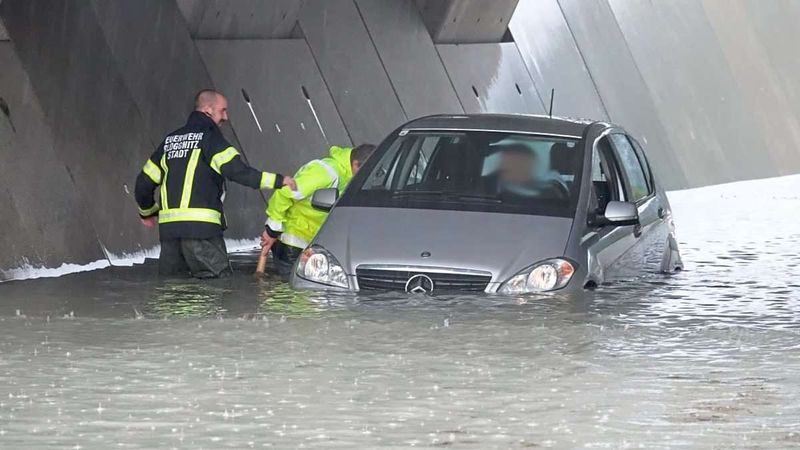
x: 619, y: 214
x: 325, y: 199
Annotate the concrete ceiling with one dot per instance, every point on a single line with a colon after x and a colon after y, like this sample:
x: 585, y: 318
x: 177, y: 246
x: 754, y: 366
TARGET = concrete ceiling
x: 242, y: 19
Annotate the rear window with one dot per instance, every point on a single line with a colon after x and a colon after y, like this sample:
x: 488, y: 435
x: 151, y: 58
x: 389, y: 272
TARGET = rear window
x: 473, y: 171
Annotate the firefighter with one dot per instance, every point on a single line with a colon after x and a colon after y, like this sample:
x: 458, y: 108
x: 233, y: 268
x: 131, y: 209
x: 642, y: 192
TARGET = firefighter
x: 190, y: 167
x: 291, y: 220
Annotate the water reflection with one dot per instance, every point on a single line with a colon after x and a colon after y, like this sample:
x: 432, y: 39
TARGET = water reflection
x: 276, y: 298
x: 242, y: 296
x: 186, y: 300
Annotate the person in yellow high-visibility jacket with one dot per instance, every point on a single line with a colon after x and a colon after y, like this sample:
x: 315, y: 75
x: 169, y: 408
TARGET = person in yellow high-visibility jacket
x: 292, y: 222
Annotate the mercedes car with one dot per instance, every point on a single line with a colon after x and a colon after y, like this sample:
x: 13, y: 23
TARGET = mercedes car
x: 508, y: 204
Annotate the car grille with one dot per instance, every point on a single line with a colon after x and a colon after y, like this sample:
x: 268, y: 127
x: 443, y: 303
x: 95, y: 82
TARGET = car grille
x: 396, y: 280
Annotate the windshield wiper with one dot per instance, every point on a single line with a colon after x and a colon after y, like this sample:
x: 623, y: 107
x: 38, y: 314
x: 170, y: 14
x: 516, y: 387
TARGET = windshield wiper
x: 404, y: 194
x: 479, y: 197
x: 447, y: 196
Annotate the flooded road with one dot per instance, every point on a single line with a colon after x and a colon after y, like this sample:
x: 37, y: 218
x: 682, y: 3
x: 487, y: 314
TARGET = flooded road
x: 709, y: 358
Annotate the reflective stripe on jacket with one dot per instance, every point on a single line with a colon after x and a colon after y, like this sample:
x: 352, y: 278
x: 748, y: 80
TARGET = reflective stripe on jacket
x: 189, y: 168
x: 291, y: 213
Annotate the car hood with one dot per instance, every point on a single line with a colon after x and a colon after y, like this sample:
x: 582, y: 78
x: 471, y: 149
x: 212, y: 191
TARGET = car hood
x: 501, y: 244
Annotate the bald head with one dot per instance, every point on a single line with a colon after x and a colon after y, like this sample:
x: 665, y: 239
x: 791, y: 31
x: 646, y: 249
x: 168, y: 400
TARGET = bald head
x: 212, y: 104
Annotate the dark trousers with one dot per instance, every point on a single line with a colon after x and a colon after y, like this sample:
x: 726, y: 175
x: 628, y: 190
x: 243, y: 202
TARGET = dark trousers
x: 200, y: 258
x: 284, y: 256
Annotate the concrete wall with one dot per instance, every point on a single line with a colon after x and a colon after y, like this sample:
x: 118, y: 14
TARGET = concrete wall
x: 467, y: 21
x: 548, y: 48
x: 761, y: 54
x: 97, y: 130
x: 499, y: 83
x: 88, y: 87
x: 404, y: 47
x: 240, y: 19
x: 44, y: 219
x: 693, y: 87
x: 621, y: 90
x: 353, y: 71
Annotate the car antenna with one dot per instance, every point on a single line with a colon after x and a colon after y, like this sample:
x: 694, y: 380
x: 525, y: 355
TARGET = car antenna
x: 552, y: 95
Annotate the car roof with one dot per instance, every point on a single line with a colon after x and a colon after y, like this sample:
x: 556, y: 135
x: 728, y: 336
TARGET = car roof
x: 521, y: 123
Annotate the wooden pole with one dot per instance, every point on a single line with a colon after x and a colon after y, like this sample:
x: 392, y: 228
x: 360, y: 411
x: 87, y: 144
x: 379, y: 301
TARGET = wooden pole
x: 262, y: 259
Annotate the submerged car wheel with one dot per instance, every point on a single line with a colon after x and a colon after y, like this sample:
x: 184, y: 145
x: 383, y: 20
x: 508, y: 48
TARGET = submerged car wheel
x: 671, y: 261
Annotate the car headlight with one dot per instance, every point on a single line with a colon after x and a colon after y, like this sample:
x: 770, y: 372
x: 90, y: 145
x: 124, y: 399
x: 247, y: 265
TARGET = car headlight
x: 544, y: 276
x: 318, y: 265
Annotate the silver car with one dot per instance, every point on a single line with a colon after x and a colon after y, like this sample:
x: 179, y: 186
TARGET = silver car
x: 510, y: 204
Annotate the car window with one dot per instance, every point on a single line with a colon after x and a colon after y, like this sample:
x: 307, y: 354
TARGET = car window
x: 383, y: 173
x: 598, y: 173
x: 648, y: 171
x: 484, y: 171
x: 605, y: 175
x: 417, y: 161
x: 636, y: 185
x: 403, y: 167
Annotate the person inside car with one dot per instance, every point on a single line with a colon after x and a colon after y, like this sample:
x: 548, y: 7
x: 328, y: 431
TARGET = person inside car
x: 520, y: 175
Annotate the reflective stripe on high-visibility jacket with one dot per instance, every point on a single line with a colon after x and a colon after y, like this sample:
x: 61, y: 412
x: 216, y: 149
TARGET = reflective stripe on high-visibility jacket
x: 293, y: 241
x: 151, y: 170
x: 268, y: 180
x: 150, y: 211
x: 190, y: 215
x: 331, y: 171
x: 274, y: 225
x: 188, y: 179
x: 222, y: 158
x: 164, y: 200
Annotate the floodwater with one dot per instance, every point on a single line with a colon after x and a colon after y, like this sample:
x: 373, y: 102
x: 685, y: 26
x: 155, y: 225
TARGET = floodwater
x: 709, y: 358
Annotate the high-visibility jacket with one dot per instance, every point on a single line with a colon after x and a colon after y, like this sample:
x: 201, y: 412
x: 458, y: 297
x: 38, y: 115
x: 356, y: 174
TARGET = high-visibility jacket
x: 290, y: 214
x: 190, y: 167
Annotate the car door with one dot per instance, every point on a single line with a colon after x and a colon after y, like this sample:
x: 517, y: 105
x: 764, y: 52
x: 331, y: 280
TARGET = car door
x: 658, y: 247
x: 651, y: 234
x: 609, y: 247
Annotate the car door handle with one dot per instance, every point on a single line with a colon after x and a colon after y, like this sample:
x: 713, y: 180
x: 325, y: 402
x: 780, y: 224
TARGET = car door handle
x: 660, y: 213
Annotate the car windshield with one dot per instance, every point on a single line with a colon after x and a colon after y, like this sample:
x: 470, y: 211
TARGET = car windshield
x: 472, y: 171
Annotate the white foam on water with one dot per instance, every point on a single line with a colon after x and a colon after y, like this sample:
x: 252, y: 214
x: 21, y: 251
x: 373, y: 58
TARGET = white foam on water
x: 28, y: 271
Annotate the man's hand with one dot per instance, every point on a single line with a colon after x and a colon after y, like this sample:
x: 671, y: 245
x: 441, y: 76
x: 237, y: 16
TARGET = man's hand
x: 289, y: 181
x: 267, y: 241
x: 150, y: 222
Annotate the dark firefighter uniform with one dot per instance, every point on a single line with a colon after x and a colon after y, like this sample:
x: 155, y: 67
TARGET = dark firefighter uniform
x: 190, y: 167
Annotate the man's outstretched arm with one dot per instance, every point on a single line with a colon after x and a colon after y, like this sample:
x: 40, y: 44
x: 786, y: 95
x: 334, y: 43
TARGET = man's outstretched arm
x: 230, y: 165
